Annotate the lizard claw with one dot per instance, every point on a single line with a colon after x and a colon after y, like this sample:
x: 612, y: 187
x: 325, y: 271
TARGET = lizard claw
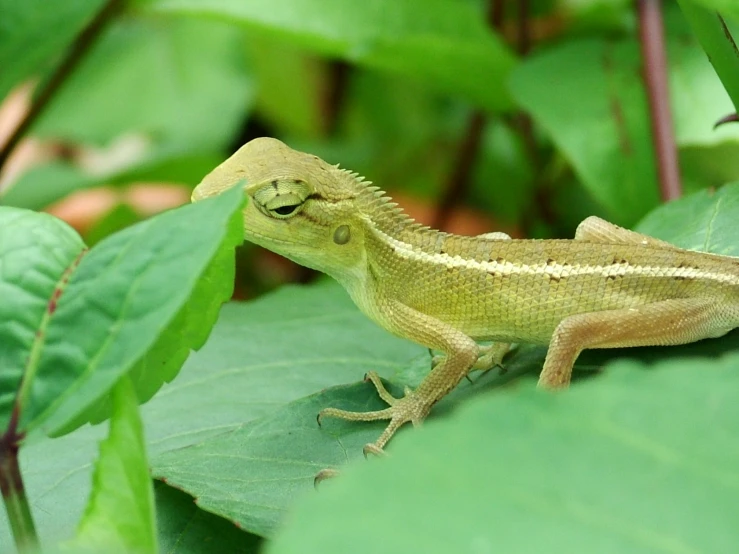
x: 323, y: 475
x: 371, y: 448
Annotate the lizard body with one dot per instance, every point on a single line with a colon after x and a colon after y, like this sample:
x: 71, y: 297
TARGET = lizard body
x: 609, y: 287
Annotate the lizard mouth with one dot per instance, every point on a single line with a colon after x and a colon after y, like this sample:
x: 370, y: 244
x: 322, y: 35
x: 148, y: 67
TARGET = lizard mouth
x: 266, y: 238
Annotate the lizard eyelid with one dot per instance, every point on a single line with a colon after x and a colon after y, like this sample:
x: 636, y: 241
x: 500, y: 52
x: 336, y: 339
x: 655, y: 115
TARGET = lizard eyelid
x: 283, y: 205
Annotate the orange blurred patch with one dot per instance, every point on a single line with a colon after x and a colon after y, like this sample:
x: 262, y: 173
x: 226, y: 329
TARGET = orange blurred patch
x: 83, y: 209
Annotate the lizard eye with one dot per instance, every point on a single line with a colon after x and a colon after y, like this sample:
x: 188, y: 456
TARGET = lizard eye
x: 281, y: 199
x: 285, y: 211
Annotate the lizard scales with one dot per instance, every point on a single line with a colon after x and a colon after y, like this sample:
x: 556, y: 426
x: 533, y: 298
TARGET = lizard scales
x: 609, y: 287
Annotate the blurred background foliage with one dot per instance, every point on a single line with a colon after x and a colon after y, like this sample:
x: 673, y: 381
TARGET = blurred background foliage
x: 476, y: 115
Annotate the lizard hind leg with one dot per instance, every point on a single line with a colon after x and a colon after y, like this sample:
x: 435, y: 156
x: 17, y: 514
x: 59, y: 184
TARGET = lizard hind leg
x: 667, y: 322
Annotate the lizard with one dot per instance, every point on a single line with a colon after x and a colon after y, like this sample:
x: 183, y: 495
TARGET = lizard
x: 608, y: 287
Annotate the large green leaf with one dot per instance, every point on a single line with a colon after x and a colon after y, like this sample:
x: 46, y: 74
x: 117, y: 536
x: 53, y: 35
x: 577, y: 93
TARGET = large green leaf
x: 266, y: 353
x: 252, y: 474
x: 57, y: 474
x: 120, y: 513
x: 634, y: 461
x: 34, y: 32
x: 445, y: 42
x: 137, y: 302
x: 242, y: 373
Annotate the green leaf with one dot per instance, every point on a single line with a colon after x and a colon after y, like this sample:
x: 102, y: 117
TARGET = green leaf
x: 264, y: 354
x: 616, y: 464
x: 252, y: 474
x: 57, y: 474
x: 444, y: 42
x: 36, y: 251
x: 145, y: 301
x: 293, y: 82
x: 594, y: 108
x: 117, y: 219
x: 698, y: 97
x: 704, y: 221
x: 716, y: 38
x: 136, y: 303
x: 44, y: 184
x: 260, y: 356
x: 196, y: 91
x: 120, y: 514
x: 725, y: 7
x: 186, y: 529
x: 34, y: 32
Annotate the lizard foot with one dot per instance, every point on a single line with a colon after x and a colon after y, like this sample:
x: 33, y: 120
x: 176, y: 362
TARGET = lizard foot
x: 411, y: 408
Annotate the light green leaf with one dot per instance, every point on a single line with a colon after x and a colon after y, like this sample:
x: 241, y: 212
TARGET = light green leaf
x: 444, y: 42
x: 594, y: 108
x: 137, y: 302
x: 704, y: 221
x: 120, y: 513
x: 196, y: 91
x: 617, y: 464
x: 725, y: 7
x: 46, y: 183
x: 34, y: 32
x: 145, y: 300
x: 36, y: 251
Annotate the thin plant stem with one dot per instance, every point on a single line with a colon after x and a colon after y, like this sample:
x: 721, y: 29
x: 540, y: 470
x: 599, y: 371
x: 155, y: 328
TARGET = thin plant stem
x: 651, y: 37
x: 14, y: 493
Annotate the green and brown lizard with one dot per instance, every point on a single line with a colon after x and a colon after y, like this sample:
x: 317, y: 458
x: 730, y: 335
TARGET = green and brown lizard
x: 607, y: 288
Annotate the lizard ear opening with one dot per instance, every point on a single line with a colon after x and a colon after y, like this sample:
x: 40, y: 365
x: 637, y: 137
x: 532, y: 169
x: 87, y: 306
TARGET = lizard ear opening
x: 342, y: 234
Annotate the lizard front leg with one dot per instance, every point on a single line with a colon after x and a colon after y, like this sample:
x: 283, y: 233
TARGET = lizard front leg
x: 461, y: 353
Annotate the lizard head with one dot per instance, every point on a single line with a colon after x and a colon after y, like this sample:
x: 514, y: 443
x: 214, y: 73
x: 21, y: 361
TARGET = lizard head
x: 298, y: 205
